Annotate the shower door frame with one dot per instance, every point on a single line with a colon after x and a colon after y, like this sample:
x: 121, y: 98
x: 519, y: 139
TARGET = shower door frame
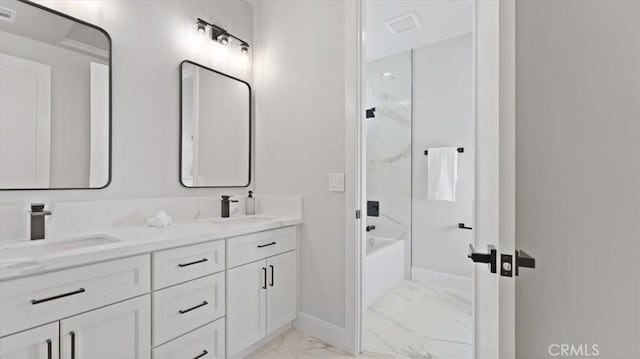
x: 494, y: 27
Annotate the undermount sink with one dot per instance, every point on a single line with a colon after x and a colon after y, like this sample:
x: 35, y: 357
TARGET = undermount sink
x: 40, y: 247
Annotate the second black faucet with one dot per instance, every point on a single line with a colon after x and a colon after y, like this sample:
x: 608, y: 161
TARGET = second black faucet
x: 224, y: 210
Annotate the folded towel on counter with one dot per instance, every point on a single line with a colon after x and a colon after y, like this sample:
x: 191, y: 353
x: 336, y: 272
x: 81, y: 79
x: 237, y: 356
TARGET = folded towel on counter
x: 442, y: 174
x: 161, y: 219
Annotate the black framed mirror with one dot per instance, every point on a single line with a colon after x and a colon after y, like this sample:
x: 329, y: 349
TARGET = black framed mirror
x: 215, y: 128
x: 55, y: 100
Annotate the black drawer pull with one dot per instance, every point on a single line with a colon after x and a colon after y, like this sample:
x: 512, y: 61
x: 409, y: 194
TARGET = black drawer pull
x: 192, y: 308
x: 204, y: 352
x: 38, y: 301
x: 266, y: 245
x: 192, y: 263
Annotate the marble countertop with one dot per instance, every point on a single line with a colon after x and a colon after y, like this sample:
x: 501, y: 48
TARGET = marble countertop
x: 132, y: 240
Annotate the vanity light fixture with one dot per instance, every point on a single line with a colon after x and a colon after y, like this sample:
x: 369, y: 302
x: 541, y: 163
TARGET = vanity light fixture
x: 221, y: 35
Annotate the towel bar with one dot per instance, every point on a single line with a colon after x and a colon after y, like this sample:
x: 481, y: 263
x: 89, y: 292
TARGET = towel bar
x: 459, y: 149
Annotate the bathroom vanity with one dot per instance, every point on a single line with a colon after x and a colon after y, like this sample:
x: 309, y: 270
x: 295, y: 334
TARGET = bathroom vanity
x: 209, y: 288
x: 95, y: 283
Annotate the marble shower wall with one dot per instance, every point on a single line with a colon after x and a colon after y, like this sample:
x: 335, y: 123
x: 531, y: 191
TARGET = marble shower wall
x: 388, y: 89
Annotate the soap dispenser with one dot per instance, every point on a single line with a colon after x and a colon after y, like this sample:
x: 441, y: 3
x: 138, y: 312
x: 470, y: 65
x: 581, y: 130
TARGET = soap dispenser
x: 250, y: 205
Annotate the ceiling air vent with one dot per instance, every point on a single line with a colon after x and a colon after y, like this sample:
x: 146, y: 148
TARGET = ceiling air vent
x: 7, y: 14
x: 403, y: 24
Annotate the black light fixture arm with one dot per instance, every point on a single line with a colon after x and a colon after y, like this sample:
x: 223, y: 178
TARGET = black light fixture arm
x: 217, y: 31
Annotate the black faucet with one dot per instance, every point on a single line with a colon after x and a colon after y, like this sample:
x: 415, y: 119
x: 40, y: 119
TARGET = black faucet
x: 37, y: 214
x: 370, y: 228
x: 225, y: 206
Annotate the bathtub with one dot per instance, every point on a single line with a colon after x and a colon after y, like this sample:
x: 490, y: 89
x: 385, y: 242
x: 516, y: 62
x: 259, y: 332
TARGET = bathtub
x: 383, y: 267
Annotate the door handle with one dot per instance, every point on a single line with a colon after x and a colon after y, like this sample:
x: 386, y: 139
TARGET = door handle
x: 489, y: 258
x: 523, y: 259
x: 462, y: 226
x: 264, y: 272
x: 49, y: 349
x: 272, y: 275
x: 73, y: 344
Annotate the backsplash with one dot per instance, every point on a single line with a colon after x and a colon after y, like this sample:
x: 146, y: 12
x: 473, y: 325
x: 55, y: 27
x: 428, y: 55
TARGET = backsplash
x: 76, y: 218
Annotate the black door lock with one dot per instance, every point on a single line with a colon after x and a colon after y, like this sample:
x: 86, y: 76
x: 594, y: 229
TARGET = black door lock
x: 524, y: 260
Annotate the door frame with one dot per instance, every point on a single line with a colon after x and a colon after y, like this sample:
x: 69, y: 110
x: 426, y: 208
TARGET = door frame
x: 499, y: 15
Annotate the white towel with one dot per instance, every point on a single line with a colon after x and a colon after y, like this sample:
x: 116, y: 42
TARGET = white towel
x: 161, y: 219
x: 442, y: 174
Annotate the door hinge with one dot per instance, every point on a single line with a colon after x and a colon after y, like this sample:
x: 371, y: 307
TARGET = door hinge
x: 357, y: 214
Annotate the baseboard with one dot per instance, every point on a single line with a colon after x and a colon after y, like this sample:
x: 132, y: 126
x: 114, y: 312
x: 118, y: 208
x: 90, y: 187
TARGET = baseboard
x: 324, y: 331
x: 440, y: 279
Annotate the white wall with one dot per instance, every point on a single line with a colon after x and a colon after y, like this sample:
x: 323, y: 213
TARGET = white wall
x: 443, y: 117
x: 578, y: 175
x: 300, y: 126
x: 149, y: 39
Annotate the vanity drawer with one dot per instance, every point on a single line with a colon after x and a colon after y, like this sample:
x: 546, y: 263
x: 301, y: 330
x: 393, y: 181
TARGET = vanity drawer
x: 28, y: 302
x: 252, y: 247
x: 182, y: 308
x: 173, y: 266
x: 208, y: 342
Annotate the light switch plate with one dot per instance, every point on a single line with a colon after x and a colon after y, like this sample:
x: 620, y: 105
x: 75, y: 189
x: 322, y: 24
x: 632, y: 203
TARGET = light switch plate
x: 336, y: 182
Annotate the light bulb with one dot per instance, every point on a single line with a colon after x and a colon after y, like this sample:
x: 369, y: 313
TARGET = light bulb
x: 223, y: 40
x: 201, y: 27
x: 244, y: 48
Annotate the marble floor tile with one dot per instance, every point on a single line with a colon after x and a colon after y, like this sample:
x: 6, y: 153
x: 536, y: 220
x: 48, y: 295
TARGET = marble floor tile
x: 294, y: 344
x: 414, y: 320
x: 411, y: 321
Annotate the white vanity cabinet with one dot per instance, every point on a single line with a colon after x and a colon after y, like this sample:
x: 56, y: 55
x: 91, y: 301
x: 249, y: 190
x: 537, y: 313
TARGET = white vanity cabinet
x: 214, y: 299
x: 189, y: 301
x: 121, y: 330
x: 247, y: 312
x: 37, y: 343
x: 282, y: 290
x: 206, y: 342
x: 262, y: 294
x: 28, y: 302
x: 31, y: 301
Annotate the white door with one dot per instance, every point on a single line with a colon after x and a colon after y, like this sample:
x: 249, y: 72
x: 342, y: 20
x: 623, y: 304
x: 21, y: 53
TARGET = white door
x: 121, y: 331
x: 36, y: 343
x: 246, y: 305
x: 25, y: 123
x: 282, y: 290
x: 494, y: 295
